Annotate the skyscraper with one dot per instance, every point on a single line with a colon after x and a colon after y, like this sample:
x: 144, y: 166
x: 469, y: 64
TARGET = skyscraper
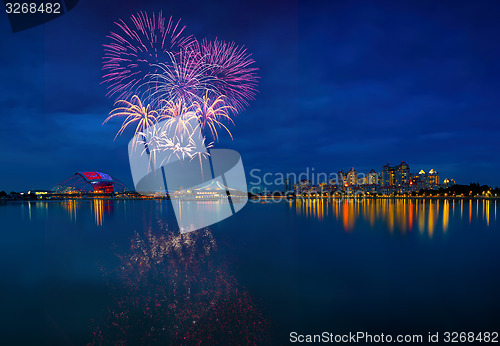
x: 388, y: 175
x: 352, y: 177
x: 402, y: 174
x: 430, y: 180
x: 433, y: 179
x: 372, y: 178
x: 341, y: 178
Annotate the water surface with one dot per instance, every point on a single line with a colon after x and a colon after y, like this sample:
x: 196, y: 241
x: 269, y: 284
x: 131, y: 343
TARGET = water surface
x: 90, y: 271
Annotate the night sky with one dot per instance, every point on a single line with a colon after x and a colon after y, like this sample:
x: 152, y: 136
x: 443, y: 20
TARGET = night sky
x: 342, y: 84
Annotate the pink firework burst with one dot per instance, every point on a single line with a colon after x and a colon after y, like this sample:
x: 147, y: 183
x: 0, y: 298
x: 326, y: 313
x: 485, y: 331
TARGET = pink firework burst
x: 184, y: 77
x: 231, y: 72
x: 135, y: 50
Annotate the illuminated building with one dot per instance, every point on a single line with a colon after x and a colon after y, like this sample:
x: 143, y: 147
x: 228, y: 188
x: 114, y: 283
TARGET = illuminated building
x: 393, y: 180
x: 388, y: 177
x: 322, y: 187
x: 371, y: 182
x: 433, y: 179
x: 372, y: 178
x: 352, y: 177
x: 210, y: 192
x: 402, y: 175
x: 90, y: 182
x: 39, y: 193
x: 397, y: 177
x: 304, y: 183
x: 430, y: 180
x: 341, y: 177
x: 416, y: 183
x: 448, y: 182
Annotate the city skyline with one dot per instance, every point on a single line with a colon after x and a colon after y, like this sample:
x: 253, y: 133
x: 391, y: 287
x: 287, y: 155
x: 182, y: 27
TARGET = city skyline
x: 341, y: 85
x: 398, y: 178
x: 392, y: 179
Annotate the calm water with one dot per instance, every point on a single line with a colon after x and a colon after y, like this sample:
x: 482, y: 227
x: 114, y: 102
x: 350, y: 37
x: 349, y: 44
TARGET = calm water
x: 79, y: 272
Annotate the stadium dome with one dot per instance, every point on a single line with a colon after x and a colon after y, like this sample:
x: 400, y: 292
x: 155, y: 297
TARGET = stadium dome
x: 90, y: 182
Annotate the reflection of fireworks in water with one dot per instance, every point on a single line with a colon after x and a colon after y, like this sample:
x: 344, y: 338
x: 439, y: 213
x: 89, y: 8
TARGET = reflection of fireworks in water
x: 173, y: 290
x: 135, y: 50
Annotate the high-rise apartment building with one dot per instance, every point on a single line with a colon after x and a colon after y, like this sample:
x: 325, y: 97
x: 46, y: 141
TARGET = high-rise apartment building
x: 352, y: 177
x: 402, y: 174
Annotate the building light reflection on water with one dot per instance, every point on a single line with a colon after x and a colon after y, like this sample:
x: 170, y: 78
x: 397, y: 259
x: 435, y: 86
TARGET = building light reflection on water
x: 98, y: 211
x: 36, y: 209
x: 446, y: 215
x: 402, y: 215
x: 71, y: 207
x: 428, y: 216
x: 98, y: 208
x: 470, y: 211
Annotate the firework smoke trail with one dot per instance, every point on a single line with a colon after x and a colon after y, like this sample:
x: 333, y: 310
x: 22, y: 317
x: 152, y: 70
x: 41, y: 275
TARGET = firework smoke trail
x: 134, y: 112
x: 230, y: 70
x: 135, y: 50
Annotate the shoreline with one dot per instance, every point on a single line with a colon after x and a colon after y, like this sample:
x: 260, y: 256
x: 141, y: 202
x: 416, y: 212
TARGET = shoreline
x: 374, y: 197
x: 288, y: 198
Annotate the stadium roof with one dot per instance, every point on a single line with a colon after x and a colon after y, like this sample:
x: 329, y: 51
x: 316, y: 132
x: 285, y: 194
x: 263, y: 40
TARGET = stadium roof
x: 90, y: 182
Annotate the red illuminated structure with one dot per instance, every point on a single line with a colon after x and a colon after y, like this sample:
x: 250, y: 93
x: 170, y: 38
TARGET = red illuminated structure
x: 90, y: 182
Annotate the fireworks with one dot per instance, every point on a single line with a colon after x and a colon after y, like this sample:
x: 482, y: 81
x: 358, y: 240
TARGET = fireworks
x: 174, y: 128
x: 135, y: 51
x: 179, y: 118
x: 208, y: 68
x: 185, y: 77
x: 232, y: 71
x: 180, y: 133
x: 210, y: 114
x: 134, y: 112
x: 194, y: 87
x: 156, y: 140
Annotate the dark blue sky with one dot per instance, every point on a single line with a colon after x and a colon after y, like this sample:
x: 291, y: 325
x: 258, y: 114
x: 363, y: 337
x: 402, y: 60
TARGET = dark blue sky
x: 343, y: 83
